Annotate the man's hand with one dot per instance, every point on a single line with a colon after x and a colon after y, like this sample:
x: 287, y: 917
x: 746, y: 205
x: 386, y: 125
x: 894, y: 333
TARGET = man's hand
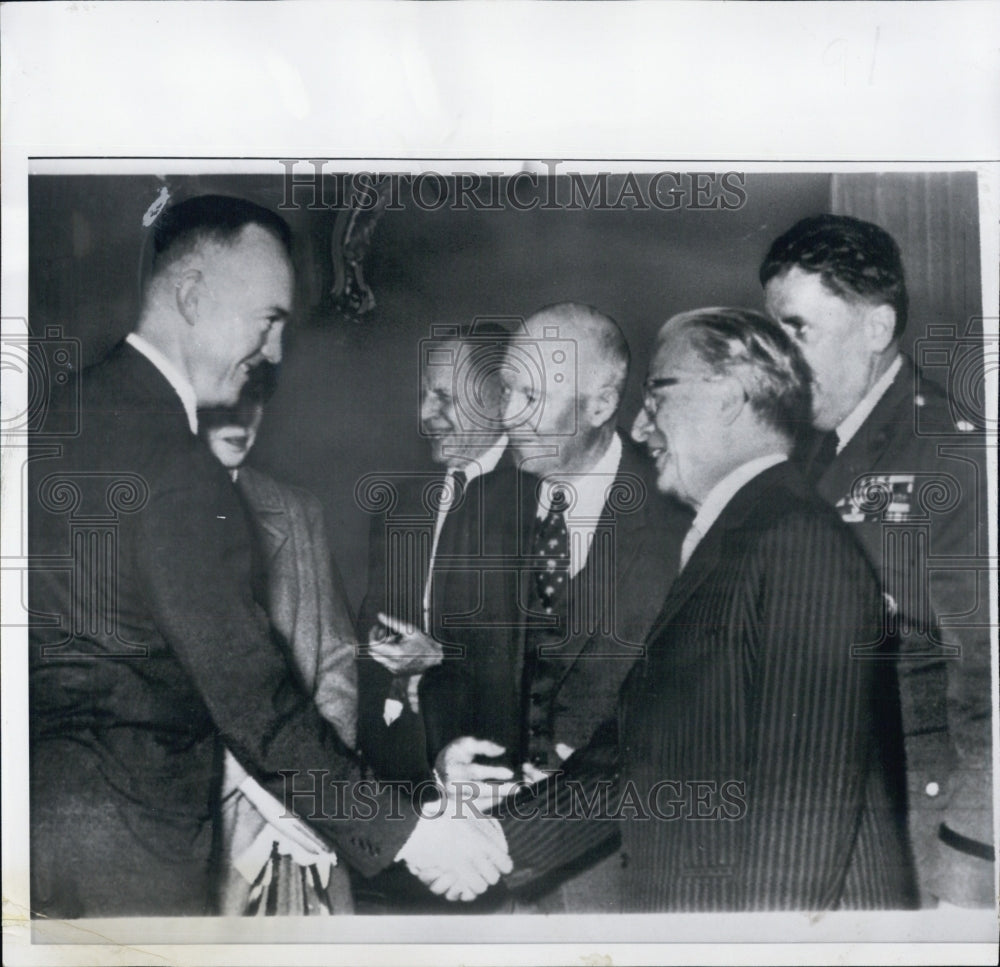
x: 408, y: 652
x: 458, y: 858
x: 467, y: 781
x: 532, y: 775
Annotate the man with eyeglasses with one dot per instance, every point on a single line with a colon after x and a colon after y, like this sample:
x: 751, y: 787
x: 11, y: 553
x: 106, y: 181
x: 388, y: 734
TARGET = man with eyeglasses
x: 595, y: 548
x: 749, y: 764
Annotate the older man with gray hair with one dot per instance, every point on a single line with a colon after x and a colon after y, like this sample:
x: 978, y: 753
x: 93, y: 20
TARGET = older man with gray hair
x: 592, y: 551
x: 750, y: 766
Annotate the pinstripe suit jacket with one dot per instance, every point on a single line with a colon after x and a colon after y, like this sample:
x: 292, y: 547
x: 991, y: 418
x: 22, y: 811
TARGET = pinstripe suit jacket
x: 613, y: 601
x: 755, y: 762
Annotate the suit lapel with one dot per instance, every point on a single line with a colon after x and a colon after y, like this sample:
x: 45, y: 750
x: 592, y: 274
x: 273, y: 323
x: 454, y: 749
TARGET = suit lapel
x: 625, y: 516
x: 866, y: 447
x: 269, y: 512
x: 527, y: 499
x: 709, y: 552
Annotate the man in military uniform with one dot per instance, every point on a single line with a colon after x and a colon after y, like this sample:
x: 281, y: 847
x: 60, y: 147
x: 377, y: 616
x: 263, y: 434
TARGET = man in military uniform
x: 904, y: 464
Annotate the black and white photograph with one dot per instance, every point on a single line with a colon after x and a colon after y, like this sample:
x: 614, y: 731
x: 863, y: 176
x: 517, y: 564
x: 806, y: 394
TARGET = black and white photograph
x: 560, y: 549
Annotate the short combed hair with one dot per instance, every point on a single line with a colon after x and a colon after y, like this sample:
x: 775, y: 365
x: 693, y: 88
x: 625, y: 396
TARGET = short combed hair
x: 854, y: 258
x: 609, y: 341
x: 211, y: 218
x: 770, y: 365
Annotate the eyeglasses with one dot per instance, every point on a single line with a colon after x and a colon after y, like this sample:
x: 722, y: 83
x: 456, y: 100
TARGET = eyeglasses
x: 649, y: 401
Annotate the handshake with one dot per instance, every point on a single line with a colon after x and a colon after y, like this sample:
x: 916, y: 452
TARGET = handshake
x: 458, y: 855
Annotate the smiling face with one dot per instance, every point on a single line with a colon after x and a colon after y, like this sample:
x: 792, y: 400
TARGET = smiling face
x: 841, y: 341
x: 541, y: 408
x: 459, y: 403
x: 236, y: 301
x: 232, y: 431
x: 676, y: 422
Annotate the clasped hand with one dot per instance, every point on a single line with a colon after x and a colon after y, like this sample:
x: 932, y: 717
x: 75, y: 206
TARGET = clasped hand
x: 456, y: 853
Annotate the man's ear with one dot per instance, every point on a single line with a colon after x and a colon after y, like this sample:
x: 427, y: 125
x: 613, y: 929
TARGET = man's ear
x: 602, y: 406
x: 732, y: 399
x: 189, y: 293
x: 880, y: 325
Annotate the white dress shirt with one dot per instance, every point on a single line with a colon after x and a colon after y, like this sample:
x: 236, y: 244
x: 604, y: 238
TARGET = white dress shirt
x: 181, y: 384
x: 474, y: 468
x: 853, y: 421
x: 587, y: 494
x: 720, y: 495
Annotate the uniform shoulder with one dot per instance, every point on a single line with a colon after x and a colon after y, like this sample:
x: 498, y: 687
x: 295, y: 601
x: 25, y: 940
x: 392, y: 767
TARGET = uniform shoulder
x: 940, y: 411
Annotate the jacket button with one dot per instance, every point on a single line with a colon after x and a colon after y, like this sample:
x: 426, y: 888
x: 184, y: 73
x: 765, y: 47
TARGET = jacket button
x: 932, y: 789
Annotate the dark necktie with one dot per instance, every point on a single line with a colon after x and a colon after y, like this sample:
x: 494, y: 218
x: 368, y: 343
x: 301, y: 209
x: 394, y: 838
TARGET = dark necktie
x: 459, y: 481
x: 550, y: 551
x: 452, y: 494
x: 822, y: 454
x: 550, y: 557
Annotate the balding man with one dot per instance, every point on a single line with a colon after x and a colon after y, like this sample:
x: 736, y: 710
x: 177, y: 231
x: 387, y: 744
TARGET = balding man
x: 148, y: 651
x: 595, y: 548
x: 749, y: 764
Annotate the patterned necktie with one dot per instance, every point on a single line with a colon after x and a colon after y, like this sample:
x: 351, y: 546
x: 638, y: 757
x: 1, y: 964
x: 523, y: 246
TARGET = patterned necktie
x: 550, y: 550
x: 550, y: 555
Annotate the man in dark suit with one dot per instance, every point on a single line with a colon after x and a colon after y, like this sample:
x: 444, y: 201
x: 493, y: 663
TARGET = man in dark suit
x: 751, y: 765
x: 432, y: 586
x: 427, y: 547
x: 299, y: 585
x: 904, y: 465
x: 147, y: 650
x: 594, y: 549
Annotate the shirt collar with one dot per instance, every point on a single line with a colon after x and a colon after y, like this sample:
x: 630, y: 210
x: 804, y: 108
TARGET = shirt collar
x: 589, y: 489
x: 483, y: 464
x: 857, y: 416
x: 181, y: 384
x: 724, y: 491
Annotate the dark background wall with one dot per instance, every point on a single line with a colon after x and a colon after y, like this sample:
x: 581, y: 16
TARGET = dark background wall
x: 347, y: 403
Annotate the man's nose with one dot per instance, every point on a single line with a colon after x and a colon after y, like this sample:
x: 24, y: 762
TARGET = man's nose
x: 428, y: 407
x: 642, y: 426
x: 271, y: 350
x: 511, y: 415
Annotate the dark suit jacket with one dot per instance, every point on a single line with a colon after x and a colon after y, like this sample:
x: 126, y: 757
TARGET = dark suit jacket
x: 467, y: 606
x: 146, y: 649
x: 912, y: 486
x: 614, y: 599
x: 751, y: 765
